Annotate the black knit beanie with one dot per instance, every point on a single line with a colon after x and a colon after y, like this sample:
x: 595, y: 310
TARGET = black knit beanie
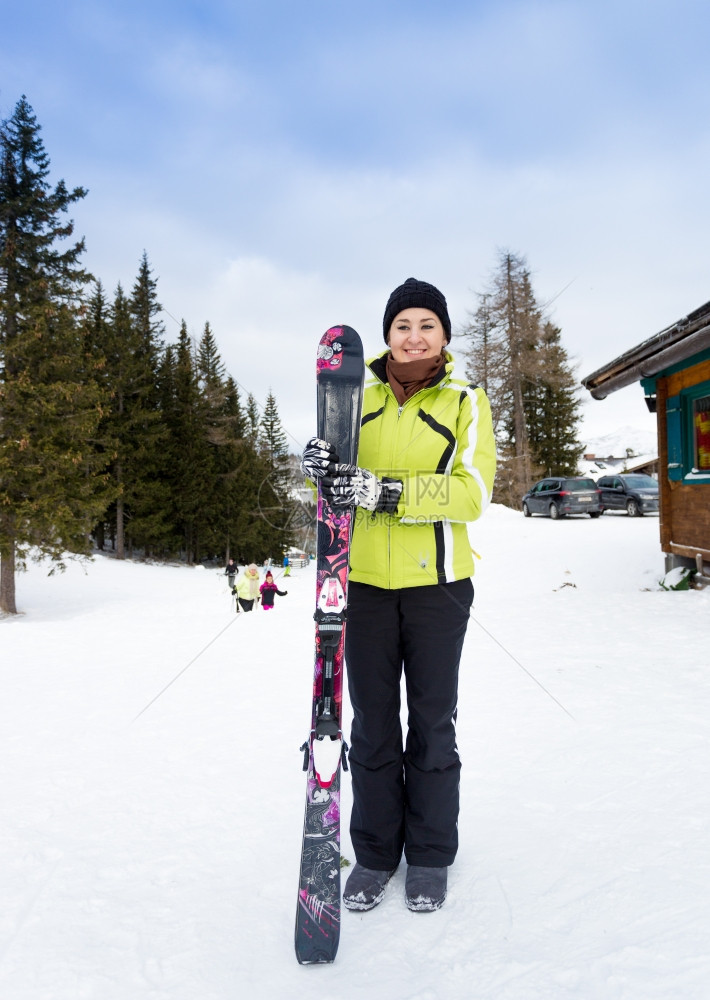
x: 415, y: 294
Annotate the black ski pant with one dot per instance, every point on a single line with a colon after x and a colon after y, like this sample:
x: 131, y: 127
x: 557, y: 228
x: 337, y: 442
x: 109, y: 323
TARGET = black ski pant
x: 405, y: 797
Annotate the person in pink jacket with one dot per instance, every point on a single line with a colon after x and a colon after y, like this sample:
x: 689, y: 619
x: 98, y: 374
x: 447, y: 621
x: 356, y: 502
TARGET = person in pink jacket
x: 268, y: 591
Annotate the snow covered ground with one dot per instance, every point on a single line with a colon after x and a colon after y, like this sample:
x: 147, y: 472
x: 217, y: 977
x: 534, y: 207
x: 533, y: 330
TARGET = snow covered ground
x: 156, y: 856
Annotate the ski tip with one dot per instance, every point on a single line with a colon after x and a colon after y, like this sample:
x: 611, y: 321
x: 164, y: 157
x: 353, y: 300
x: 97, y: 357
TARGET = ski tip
x: 339, y: 345
x: 339, y: 328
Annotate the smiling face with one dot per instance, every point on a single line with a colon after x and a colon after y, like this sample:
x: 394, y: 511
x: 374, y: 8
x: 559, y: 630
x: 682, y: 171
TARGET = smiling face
x: 416, y: 334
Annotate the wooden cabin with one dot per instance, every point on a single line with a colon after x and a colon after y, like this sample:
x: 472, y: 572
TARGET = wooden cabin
x: 673, y: 368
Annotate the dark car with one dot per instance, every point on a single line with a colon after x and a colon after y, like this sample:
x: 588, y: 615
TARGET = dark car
x: 633, y: 492
x: 558, y: 496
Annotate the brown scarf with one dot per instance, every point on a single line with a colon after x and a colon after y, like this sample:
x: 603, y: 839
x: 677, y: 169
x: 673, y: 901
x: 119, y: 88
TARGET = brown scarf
x: 408, y: 377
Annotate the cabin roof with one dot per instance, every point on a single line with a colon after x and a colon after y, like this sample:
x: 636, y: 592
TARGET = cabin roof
x: 676, y: 343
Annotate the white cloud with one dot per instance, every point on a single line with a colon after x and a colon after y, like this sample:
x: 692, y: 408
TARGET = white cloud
x: 284, y: 180
x: 622, y: 241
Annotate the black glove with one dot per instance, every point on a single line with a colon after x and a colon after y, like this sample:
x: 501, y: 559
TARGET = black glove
x: 350, y: 486
x: 318, y: 459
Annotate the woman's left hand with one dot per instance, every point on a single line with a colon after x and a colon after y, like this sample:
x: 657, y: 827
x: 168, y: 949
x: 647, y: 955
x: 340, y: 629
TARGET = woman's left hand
x: 350, y: 486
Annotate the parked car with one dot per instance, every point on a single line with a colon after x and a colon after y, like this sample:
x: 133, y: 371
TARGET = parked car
x: 633, y: 492
x: 558, y: 496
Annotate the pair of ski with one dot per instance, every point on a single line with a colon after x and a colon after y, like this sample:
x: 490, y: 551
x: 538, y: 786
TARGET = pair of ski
x: 340, y: 375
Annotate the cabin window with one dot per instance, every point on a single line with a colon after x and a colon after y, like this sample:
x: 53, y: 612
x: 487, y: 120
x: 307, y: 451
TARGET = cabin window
x: 701, y: 433
x: 688, y: 434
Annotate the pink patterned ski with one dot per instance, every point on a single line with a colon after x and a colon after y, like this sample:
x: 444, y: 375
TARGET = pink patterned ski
x: 340, y: 373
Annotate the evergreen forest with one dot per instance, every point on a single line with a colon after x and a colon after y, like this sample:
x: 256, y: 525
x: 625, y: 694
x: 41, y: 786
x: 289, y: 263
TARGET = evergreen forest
x: 110, y: 436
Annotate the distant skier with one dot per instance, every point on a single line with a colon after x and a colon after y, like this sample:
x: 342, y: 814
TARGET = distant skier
x: 269, y: 590
x: 231, y: 573
x: 247, y: 588
x: 287, y: 566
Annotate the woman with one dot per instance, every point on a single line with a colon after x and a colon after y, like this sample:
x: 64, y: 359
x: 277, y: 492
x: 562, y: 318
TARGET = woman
x: 247, y: 589
x: 426, y: 466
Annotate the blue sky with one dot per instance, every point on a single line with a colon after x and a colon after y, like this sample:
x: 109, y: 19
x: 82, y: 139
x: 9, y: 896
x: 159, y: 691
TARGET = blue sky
x: 286, y: 165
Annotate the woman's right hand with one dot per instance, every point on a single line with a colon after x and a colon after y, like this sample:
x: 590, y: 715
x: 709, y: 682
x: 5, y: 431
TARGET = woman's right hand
x: 319, y: 459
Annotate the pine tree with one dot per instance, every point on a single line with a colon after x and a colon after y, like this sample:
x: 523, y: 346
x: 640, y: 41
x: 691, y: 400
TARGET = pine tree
x: 233, y: 410
x: 145, y: 309
x: 95, y: 331
x: 553, y: 408
x: 51, y: 483
x: 210, y: 366
x: 487, y: 358
x: 233, y: 456
x: 518, y: 357
x: 144, y: 476
x: 97, y: 346
x: 190, y: 466
x: 273, y: 437
x: 224, y: 422
x: 500, y: 336
x: 135, y: 422
x: 252, y: 419
x: 275, y: 496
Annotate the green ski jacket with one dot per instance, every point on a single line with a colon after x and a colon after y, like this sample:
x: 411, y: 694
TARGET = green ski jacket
x: 441, y: 445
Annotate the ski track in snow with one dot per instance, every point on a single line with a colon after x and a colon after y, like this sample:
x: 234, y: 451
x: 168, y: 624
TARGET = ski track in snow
x: 158, y: 858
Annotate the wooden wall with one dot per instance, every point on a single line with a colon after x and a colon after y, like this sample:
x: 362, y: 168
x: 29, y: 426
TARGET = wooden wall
x: 685, y: 507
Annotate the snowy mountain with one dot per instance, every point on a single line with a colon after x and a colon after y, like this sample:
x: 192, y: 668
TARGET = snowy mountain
x: 640, y: 441
x: 629, y: 447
